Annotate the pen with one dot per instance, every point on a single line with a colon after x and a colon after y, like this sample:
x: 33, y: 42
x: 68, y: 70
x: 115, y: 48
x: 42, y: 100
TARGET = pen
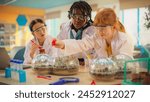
x: 44, y: 77
x: 36, y: 44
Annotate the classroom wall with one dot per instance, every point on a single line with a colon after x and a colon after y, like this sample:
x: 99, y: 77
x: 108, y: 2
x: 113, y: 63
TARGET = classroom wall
x: 9, y: 14
x: 94, y: 3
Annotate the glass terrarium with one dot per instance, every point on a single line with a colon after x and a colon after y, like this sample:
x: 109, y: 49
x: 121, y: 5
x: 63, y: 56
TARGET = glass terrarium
x: 63, y: 65
x: 120, y: 60
x: 42, y: 62
x: 102, y: 69
x: 140, y: 74
x: 66, y: 65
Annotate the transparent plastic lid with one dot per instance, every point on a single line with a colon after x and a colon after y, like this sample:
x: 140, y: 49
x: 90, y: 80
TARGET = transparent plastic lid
x: 103, y: 66
x: 120, y: 60
x: 66, y: 65
x: 63, y: 65
x: 42, y: 61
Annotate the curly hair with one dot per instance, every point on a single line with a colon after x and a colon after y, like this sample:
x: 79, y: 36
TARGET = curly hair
x: 83, y: 6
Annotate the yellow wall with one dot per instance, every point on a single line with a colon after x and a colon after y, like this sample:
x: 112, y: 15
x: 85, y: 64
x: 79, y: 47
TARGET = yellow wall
x: 9, y: 14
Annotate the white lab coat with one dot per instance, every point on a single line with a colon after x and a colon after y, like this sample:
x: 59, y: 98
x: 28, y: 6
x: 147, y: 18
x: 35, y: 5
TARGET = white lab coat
x: 65, y: 31
x: 120, y: 44
x: 47, y: 46
x: 65, y: 34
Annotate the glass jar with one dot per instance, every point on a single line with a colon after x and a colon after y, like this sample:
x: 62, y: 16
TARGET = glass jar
x: 102, y: 69
x: 66, y: 65
x: 42, y: 63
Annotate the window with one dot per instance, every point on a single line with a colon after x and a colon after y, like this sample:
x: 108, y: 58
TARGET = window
x: 133, y: 20
x: 53, y: 26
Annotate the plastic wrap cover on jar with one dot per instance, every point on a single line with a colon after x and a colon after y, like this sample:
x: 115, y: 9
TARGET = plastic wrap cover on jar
x: 102, y: 69
x: 120, y: 60
x: 42, y: 63
x: 66, y: 65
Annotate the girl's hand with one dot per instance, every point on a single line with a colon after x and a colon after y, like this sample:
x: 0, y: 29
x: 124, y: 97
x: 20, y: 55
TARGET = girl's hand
x: 34, y: 47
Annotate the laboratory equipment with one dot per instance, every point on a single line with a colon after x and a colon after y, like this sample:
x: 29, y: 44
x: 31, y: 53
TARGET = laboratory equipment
x: 120, y: 60
x: 102, y: 69
x: 42, y: 63
x: 140, y: 74
x: 66, y: 65
x: 16, y: 71
x: 65, y: 80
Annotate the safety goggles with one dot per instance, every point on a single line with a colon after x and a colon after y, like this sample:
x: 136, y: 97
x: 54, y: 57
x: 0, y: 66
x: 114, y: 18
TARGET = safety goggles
x: 80, y: 17
x: 39, y: 29
x: 103, y: 27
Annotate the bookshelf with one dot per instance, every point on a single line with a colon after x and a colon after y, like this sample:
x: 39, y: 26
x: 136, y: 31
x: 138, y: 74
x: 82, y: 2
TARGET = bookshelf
x: 7, y: 35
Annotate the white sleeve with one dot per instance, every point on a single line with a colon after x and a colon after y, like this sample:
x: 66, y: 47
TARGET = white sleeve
x: 61, y: 33
x: 59, y: 36
x: 64, y: 31
x: 127, y: 48
x: 73, y: 46
x: 27, y: 57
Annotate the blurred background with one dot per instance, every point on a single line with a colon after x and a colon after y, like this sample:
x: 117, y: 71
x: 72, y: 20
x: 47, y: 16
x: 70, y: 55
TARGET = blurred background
x: 16, y: 15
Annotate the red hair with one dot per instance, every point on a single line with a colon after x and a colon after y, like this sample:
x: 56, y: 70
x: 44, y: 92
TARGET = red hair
x: 105, y: 16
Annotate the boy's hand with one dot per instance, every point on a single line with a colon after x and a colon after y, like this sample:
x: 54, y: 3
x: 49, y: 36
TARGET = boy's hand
x: 58, y: 43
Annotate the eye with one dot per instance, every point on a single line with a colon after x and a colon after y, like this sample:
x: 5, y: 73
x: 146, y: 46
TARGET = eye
x: 81, y: 17
x: 37, y: 30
